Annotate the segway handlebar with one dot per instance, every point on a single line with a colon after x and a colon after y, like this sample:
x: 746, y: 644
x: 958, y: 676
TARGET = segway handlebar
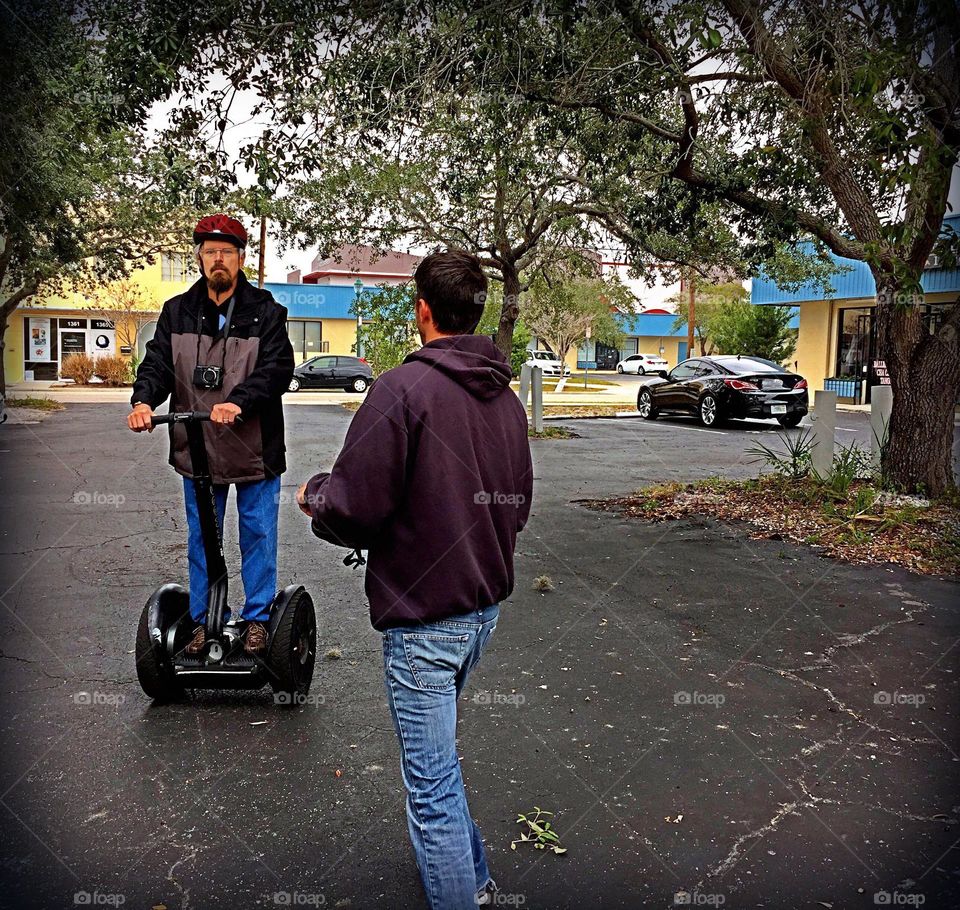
x: 179, y: 417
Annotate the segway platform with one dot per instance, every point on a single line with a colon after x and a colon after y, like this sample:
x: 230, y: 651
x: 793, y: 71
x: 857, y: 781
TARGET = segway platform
x: 165, y: 670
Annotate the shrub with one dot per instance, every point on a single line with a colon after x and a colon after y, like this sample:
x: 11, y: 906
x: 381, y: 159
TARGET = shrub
x: 113, y: 369
x: 849, y: 464
x: 794, y: 461
x: 78, y: 367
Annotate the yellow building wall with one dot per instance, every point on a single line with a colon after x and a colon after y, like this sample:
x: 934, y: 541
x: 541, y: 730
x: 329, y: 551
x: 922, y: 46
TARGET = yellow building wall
x: 342, y: 335
x: 13, y: 349
x: 650, y: 344
x: 646, y: 344
x: 816, y: 343
x: 149, y: 279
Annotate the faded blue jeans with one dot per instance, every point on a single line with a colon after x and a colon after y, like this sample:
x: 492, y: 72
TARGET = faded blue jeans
x: 258, y: 505
x: 426, y: 667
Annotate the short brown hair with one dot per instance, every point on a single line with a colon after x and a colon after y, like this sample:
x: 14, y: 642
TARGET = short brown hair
x: 455, y: 288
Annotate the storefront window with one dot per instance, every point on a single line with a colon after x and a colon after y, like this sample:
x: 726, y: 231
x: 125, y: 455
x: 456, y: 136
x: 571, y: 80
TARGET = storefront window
x: 306, y: 338
x: 853, y: 342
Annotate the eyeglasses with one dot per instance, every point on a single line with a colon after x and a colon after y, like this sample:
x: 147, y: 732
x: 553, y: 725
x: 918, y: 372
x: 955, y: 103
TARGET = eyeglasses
x: 226, y: 254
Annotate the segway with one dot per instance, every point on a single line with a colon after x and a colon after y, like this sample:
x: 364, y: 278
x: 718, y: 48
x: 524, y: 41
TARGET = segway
x: 165, y: 670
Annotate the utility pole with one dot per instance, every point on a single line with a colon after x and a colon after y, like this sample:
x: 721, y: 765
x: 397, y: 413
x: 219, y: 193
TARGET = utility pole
x: 263, y: 247
x: 691, y: 315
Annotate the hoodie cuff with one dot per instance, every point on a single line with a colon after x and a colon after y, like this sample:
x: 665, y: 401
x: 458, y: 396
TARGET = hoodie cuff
x: 314, y: 494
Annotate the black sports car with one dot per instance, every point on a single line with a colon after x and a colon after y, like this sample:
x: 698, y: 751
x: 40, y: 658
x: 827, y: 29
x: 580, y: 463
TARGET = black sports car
x: 717, y: 388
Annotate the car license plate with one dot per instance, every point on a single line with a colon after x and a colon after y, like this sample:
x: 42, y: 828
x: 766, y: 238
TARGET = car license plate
x: 778, y: 409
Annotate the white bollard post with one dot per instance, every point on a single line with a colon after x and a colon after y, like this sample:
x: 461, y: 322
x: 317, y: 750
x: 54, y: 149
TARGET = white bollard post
x: 524, y: 384
x: 537, y: 400
x: 823, y: 429
x: 881, y: 404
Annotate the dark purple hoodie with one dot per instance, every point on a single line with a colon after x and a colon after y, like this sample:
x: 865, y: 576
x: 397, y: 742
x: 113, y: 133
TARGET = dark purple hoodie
x: 435, y: 480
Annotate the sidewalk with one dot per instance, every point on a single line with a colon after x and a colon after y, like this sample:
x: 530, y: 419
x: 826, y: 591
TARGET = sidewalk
x: 93, y: 394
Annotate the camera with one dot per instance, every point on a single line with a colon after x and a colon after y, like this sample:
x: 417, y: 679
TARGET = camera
x: 208, y: 377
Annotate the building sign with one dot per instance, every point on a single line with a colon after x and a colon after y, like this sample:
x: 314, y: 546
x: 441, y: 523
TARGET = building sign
x: 39, y: 339
x: 72, y: 323
x: 101, y: 338
x: 880, y: 374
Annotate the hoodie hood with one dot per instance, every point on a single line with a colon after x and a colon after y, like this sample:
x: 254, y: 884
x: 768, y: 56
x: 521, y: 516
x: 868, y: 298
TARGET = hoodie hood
x: 472, y: 361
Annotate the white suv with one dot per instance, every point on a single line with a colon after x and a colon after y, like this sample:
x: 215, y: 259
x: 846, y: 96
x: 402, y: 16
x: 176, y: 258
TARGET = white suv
x: 548, y: 362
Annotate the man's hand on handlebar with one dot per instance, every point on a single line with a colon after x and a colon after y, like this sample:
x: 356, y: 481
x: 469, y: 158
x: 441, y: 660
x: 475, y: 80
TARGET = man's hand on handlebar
x: 141, y: 418
x: 225, y: 412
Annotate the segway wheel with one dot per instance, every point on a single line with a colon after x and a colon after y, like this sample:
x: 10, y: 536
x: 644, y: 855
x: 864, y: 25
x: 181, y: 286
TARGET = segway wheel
x: 156, y: 677
x: 293, y: 650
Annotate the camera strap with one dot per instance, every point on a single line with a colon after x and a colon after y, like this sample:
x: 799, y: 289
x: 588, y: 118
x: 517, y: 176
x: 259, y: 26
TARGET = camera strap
x: 226, y: 330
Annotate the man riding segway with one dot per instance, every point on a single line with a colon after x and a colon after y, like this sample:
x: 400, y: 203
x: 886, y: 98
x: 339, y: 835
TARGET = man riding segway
x: 222, y: 347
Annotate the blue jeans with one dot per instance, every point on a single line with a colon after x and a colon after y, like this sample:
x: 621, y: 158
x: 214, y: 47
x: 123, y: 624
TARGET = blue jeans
x: 426, y: 667
x: 258, y: 504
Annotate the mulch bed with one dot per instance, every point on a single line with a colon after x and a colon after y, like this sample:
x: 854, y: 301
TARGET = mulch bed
x: 925, y: 539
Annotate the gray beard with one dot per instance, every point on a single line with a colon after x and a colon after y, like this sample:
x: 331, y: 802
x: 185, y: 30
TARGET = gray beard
x: 218, y: 282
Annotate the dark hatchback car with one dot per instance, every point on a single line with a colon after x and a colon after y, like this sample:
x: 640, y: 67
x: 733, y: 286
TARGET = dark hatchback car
x: 352, y: 374
x: 718, y: 388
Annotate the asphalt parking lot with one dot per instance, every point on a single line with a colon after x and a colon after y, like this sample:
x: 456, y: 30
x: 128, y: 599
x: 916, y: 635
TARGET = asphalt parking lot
x: 699, y: 709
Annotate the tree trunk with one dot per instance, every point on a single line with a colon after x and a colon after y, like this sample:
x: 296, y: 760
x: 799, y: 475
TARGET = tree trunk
x: 3, y: 345
x: 510, y: 310
x: 924, y: 372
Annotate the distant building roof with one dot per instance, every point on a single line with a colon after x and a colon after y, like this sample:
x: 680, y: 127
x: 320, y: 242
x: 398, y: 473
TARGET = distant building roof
x: 364, y: 262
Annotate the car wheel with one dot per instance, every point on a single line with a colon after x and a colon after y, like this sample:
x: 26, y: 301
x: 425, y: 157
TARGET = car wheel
x: 790, y: 421
x: 294, y: 385
x: 709, y: 411
x: 359, y: 385
x: 645, y: 405
x: 619, y: 367
x: 641, y: 371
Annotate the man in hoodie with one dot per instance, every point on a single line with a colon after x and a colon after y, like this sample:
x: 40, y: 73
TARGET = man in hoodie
x: 435, y: 480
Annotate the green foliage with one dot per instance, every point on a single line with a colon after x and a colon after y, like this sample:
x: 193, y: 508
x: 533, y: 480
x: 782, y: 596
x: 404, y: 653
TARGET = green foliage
x: 85, y: 197
x: 793, y: 461
x: 708, y: 298
x: 389, y: 330
x: 559, y: 312
x: 851, y: 463
x: 739, y: 327
x: 538, y: 831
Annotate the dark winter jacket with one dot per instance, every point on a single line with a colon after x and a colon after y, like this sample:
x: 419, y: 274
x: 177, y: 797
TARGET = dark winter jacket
x: 435, y: 480
x: 258, y: 365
